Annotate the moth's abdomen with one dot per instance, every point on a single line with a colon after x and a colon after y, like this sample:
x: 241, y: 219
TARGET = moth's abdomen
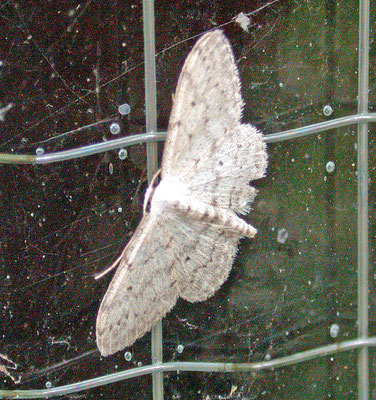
x: 174, y: 197
x: 195, y: 209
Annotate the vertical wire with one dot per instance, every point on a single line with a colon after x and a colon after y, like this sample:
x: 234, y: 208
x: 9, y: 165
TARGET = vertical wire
x: 150, y: 86
x: 152, y: 162
x: 363, y: 83
x: 331, y: 261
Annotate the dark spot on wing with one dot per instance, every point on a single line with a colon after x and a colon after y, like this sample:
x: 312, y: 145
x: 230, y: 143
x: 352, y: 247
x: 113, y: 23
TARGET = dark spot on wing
x: 169, y: 267
x: 168, y: 244
x: 147, y: 283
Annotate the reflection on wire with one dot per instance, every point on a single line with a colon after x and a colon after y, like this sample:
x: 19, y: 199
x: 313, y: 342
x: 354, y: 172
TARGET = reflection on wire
x: 191, y: 366
x: 7, y: 158
x: 81, y: 151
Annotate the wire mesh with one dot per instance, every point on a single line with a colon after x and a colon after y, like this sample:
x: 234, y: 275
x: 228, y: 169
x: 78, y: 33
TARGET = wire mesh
x: 157, y: 368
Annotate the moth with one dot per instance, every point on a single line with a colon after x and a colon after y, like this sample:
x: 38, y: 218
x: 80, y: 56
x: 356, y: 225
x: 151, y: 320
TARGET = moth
x: 187, y: 239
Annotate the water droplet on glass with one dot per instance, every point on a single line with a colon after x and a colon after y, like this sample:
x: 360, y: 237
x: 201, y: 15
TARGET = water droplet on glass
x: 124, y: 109
x: 330, y: 166
x: 282, y: 235
x: 327, y: 110
x: 334, y: 330
x: 123, y: 154
x: 128, y: 356
x: 180, y: 348
x: 115, y: 128
x: 39, y: 151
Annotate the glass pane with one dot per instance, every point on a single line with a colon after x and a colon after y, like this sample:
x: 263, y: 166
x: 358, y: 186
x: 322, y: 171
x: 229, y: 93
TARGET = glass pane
x: 298, y: 60
x: 66, y: 68
x: 294, y: 287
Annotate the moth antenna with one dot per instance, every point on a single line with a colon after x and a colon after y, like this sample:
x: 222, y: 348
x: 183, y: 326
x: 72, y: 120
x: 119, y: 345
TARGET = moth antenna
x: 150, y: 190
x: 110, y: 268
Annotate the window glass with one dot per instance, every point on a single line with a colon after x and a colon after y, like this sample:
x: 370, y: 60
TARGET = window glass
x: 65, y: 69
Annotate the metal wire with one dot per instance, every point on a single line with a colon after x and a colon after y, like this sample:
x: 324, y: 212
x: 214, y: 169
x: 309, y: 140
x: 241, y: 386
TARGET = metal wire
x: 152, y: 165
x: 293, y: 359
x: 363, y: 342
x: 7, y: 158
x: 363, y: 268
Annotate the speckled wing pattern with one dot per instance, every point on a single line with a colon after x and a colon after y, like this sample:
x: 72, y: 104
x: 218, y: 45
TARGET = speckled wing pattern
x: 141, y: 290
x: 207, y: 146
x: 185, y: 245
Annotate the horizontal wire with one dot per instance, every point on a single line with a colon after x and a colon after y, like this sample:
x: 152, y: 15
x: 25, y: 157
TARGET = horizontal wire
x: 303, y: 356
x: 9, y: 158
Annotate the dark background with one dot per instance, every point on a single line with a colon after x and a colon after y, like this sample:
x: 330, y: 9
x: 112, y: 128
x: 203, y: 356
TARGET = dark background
x: 68, y: 64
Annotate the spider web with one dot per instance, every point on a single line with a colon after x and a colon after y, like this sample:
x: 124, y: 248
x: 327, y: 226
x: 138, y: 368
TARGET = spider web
x: 64, y: 71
